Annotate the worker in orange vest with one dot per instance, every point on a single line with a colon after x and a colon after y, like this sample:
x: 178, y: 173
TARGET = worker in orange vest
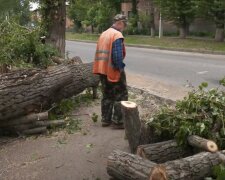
x: 108, y: 63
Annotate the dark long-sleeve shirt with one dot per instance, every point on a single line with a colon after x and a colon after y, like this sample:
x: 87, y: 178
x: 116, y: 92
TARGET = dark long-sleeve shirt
x: 118, y: 54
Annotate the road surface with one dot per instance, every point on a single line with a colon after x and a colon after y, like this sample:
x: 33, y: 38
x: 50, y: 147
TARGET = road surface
x: 178, y: 68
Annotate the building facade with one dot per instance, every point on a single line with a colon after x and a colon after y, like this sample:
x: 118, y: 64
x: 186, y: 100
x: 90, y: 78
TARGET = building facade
x: 144, y: 6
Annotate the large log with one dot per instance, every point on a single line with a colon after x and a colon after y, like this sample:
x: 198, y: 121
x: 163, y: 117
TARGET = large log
x: 190, y: 168
x: 203, y: 144
x: 163, y: 151
x: 33, y: 90
x: 25, y: 119
x: 124, y: 166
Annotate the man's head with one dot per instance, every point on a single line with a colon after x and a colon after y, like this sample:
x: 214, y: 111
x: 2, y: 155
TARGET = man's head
x: 120, y: 22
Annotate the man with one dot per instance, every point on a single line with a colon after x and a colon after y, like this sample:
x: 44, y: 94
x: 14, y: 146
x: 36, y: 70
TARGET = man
x: 108, y: 63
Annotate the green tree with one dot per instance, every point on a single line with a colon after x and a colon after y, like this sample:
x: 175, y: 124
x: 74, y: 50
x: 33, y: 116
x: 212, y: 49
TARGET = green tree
x: 54, y: 23
x: 181, y: 12
x: 94, y: 13
x: 18, y: 10
x: 215, y: 10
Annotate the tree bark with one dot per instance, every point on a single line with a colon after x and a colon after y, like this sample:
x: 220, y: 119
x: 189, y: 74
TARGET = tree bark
x: 163, y: 151
x: 31, y: 91
x: 25, y: 119
x: 132, y: 124
x: 39, y: 130
x: 137, y: 131
x: 219, y: 36
x: 183, y: 32
x: 152, y: 16
x: 191, y: 168
x: 54, y: 17
x: 125, y: 166
x: 203, y: 144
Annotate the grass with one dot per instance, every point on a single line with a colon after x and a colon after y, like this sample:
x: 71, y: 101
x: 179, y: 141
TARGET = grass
x: 165, y: 42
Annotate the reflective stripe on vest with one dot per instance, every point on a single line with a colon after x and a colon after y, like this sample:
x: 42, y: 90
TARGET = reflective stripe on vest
x: 103, y: 62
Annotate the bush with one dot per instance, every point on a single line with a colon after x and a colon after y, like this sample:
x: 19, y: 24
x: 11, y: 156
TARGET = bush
x: 201, y: 113
x: 21, y: 46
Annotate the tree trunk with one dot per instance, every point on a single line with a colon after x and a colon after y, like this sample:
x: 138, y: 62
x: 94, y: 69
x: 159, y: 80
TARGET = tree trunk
x: 183, y: 32
x: 219, y: 37
x: 203, y: 144
x: 125, y: 166
x: 137, y: 131
x: 31, y: 91
x: 54, y: 17
x: 152, y: 17
x: 132, y: 124
x: 163, y: 151
x: 191, y: 168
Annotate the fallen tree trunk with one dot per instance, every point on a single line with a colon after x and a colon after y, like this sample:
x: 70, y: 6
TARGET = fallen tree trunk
x: 30, y: 91
x: 191, y: 168
x: 126, y: 166
x: 163, y: 151
x: 202, y: 143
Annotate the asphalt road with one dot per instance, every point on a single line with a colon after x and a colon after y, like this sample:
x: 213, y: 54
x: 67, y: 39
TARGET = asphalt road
x: 178, y: 68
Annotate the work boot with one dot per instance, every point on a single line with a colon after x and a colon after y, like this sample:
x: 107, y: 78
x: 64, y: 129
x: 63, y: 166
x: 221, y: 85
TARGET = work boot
x: 105, y: 124
x: 117, y: 125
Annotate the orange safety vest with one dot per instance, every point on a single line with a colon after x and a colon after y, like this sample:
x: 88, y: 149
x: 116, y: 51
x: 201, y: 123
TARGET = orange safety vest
x: 103, y: 56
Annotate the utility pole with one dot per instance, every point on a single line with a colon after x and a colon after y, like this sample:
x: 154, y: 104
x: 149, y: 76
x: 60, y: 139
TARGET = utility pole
x: 160, y: 26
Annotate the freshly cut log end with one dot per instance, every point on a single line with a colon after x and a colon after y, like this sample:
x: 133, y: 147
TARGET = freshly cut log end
x: 158, y: 173
x: 202, y: 143
x: 128, y: 104
x: 211, y: 146
x: 132, y: 124
x: 163, y: 151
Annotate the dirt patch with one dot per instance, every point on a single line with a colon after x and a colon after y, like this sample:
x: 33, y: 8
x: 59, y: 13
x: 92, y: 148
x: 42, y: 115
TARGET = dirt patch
x: 82, y: 155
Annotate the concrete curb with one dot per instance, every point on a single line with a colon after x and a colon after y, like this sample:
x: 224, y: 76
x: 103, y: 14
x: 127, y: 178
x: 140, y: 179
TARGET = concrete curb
x: 162, y: 48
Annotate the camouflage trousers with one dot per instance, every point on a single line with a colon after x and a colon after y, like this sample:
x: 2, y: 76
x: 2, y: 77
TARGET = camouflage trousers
x: 113, y: 93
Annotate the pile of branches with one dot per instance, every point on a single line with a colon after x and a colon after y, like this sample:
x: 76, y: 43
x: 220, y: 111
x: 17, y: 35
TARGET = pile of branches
x: 201, y: 113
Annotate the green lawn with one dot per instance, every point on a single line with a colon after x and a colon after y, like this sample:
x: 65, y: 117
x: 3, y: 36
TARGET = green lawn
x: 165, y: 42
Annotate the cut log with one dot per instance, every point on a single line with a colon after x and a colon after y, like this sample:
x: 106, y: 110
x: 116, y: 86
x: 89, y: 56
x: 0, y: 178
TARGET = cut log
x: 50, y: 124
x: 132, y: 124
x: 33, y: 90
x: 203, y: 144
x: 163, y: 151
x: 39, y: 130
x: 136, y: 130
x: 191, y: 168
x: 125, y: 166
x: 25, y: 119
